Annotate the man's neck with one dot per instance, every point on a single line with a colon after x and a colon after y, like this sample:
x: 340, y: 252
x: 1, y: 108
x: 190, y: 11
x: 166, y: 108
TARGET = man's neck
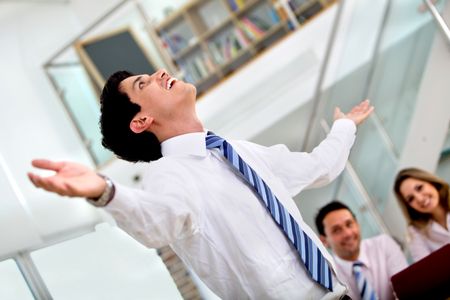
x: 351, y: 256
x: 186, y: 127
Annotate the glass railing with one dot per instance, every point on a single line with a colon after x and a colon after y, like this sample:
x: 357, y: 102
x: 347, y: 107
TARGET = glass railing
x: 12, y: 283
x: 390, y: 78
x: 95, y: 267
x: 345, y: 190
x: 443, y: 169
x: 82, y: 103
x: 348, y: 189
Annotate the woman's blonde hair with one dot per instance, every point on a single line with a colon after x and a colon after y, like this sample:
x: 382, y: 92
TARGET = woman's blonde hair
x: 415, y: 218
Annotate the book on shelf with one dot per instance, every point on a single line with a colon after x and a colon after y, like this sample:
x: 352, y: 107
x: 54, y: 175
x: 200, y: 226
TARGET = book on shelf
x: 247, y: 32
x: 291, y: 5
x: 174, y: 42
x: 214, y: 49
x: 255, y: 30
x: 187, y: 73
x: 240, y: 36
x: 273, y: 15
x: 198, y: 62
x: 226, y: 48
x: 282, y: 14
x: 233, y: 5
x: 260, y: 22
x: 236, y: 5
x: 208, y: 63
x: 195, y: 71
x: 235, y: 47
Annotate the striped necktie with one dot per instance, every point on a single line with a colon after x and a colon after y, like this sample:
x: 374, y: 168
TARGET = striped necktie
x: 316, y: 265
x: 365, y: 289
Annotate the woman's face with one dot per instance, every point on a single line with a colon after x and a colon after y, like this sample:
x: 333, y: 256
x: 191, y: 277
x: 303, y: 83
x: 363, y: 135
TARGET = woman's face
x: 420, y: 195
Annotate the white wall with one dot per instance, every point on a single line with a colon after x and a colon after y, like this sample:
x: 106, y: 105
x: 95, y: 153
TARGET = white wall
x: 33, y: 120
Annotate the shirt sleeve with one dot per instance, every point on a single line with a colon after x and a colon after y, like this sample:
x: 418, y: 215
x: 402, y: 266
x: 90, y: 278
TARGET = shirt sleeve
x: 155, y: 218
x: 417, y: 244
x: 300, y: 170
x: 395, y: 260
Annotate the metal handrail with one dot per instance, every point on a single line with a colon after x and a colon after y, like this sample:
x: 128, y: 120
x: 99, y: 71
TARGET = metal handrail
x: 370, y: 79
x: 86, y: 30
x: 368, y: 203
x: 439, y: 20
x: 317, y: 104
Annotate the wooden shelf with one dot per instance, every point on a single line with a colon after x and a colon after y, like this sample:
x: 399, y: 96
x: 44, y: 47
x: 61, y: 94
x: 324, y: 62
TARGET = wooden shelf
x: 203, y: 33
x: 268, y: 33
x: 216, y: 29
x: 186, y: 50
x: 304, y: 6
x: 249, y: 5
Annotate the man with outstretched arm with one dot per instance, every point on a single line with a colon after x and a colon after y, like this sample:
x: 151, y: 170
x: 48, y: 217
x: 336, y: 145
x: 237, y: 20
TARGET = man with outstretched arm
x: 224, y: 206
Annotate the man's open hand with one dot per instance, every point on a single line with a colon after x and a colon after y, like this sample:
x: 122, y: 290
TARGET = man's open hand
x: 70, y: 179
x: 357, y: 114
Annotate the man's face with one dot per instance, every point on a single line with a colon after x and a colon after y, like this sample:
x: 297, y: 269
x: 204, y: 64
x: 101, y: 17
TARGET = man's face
x: 342, y: 234
x: 163, y: 99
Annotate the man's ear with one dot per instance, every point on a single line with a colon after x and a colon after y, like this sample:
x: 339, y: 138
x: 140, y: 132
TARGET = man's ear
x: 323, y: 239
x: 140, y: 123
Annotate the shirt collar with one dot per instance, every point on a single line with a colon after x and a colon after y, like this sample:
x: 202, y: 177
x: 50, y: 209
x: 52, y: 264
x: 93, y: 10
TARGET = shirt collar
x: 185, y: 144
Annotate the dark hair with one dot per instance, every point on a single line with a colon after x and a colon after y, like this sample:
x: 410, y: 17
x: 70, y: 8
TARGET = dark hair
x: 325, y: 210
x: 117, y: 111
x: 415, y: 218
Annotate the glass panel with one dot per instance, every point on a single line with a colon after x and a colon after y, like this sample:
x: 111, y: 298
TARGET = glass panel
x: 344, y: 190
x: 374, y: 162
x: 396, y: 81
x: 106, y: 264
x: 12, y: 284
x: 350, y: 194
x: 391, y: 81
x: 18, y: 225
x: 80, y: 97
x: 443, y: 169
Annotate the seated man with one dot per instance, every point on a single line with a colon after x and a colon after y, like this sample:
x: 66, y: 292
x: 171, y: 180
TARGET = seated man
x: 366, y: 266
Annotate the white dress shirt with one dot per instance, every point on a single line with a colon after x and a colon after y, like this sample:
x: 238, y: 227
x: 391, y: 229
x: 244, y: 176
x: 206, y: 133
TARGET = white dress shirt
x: 193, y: 200
x: 422, y: 243
x: 382, y: 258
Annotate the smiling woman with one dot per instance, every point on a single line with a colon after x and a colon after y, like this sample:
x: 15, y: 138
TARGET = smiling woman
x: 425, y: 200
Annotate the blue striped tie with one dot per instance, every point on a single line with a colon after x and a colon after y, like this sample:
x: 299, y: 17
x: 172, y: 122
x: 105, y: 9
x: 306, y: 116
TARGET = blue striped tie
x: 365, y: 290
x: 311, y: 256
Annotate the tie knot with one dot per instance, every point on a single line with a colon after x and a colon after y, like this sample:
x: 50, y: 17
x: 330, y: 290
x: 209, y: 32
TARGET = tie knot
x: 213, y: 141
x: 357, y: 265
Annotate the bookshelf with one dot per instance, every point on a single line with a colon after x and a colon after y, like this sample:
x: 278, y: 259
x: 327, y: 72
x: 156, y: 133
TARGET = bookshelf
x: 305, y: 9
x: 207, y: 40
